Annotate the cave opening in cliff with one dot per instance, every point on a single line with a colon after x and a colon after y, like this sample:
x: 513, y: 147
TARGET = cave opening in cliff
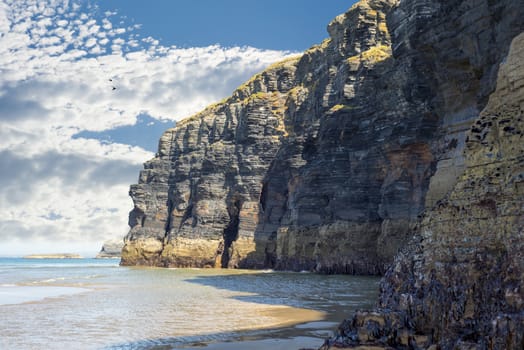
x: 230, y: 232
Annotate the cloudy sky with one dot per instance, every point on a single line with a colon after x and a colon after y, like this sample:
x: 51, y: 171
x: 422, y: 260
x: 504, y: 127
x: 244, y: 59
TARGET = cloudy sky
x: 87, y: 87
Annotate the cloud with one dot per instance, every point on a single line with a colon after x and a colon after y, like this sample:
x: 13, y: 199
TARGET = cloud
x: 66, y: 69
x: 14, y: 107
x: 144, y: 133
x: 55, y: 195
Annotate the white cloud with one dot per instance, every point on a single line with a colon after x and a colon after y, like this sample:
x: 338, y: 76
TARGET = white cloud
x: 55, y: 82
x: 90, y: 42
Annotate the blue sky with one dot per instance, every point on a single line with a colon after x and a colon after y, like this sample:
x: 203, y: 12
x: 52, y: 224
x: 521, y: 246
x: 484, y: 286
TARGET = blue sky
x: 87, y: 87
x: 268, y: 24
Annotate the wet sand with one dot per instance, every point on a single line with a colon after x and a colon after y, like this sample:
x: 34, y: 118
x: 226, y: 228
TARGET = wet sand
x: 265, y: 344
x: 285, y: 338
x: 285, y: 316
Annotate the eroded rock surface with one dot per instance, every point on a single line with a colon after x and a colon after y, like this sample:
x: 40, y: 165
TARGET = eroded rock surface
x: 329, y: 160
x: 198, y: 201
x: 459, y: 284
x: 402, y: 130
x: 259, y: 180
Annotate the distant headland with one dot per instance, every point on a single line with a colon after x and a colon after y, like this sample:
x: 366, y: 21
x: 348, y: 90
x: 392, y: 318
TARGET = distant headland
x: 53, y: 256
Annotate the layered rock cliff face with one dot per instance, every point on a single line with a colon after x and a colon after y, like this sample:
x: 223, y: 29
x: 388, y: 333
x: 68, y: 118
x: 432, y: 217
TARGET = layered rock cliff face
x: 327, y: 161
x: 260, y: 179
x: 459, y: 284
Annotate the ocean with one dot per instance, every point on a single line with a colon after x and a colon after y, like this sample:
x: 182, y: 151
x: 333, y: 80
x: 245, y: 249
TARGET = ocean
x: 97, y: 304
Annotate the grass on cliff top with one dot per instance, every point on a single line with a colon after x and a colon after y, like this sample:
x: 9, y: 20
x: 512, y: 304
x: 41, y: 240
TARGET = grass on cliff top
x: 357, y: 7
x: 320, y: 47
x: 210, y: 108
x: 287, y: 62
x: 373, y: 55
x: 292, y: 60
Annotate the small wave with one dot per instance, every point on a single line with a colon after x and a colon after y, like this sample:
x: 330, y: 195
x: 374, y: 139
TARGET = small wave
x: 70, y: 278
x: 54, y: 279
x: 50, y: 280
x: 267, y: 271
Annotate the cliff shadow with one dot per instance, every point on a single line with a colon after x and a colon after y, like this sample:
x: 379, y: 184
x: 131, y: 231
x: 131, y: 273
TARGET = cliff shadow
x: 300, y: 299
x: 300, y: 290
x: 344, y: 189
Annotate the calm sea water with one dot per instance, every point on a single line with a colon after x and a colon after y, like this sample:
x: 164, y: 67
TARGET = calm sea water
x: 96, y: 304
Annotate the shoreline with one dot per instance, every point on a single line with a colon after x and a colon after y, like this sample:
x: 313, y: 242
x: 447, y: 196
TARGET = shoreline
x: 291, y: 320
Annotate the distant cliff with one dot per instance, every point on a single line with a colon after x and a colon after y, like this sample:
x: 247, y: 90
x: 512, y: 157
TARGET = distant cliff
x: 330, y: 160
x: 111, y: 249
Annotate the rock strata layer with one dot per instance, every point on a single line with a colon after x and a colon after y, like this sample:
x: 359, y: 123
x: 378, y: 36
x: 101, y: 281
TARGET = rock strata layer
x: 260, y: 179
x: 329, y: 160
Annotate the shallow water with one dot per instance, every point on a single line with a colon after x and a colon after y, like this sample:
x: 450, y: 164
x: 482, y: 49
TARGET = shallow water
x: 96, y: 304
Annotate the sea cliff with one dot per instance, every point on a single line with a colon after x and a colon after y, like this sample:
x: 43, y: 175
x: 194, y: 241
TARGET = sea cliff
x: 111, y: 249
x: 458, y: 283
x: 395, y: 146
x: 326, y: 161
x: 321, y: 162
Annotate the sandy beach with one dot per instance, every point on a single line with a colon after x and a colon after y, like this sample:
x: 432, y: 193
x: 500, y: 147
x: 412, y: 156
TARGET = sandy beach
x: 95, y: 304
